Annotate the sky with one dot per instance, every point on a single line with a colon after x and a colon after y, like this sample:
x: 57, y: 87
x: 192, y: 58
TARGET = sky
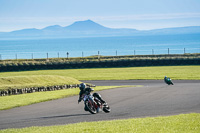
x: 135, y: 14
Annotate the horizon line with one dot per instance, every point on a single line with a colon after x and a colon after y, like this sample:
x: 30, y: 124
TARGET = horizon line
x: 117, y: 20
x: 101, y: 25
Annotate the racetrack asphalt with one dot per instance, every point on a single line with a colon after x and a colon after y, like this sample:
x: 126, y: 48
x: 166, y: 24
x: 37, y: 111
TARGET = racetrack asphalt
x: 154, y: 98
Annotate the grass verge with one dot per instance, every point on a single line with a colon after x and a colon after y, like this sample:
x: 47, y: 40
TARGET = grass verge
x: 183, y: 123
x: 126, y: 73
x: 35, y: 81
x: 8, y: 102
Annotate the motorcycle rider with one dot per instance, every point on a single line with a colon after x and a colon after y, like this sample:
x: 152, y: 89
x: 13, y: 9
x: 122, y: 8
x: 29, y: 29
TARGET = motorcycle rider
x: 86, y: 90
x: 168, y: 80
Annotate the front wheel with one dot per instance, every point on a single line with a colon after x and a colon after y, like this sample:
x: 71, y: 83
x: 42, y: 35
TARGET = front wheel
x: 170, y: 83
x: 90, y: 107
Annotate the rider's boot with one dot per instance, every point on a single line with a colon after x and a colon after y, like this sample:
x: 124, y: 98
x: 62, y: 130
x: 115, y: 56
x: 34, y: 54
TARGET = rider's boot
x: 99, y: 97
x: 105, y: 104
x: 85, y: 108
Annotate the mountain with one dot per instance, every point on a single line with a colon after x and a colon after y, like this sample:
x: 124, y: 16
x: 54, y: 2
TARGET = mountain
x: 52, y: 28
x: 24, y: 32
x: 87, y: 25
x: 90, y: 28
x: 176, y: 30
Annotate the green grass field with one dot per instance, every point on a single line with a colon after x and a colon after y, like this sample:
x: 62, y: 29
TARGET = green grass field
x: 184, y: 123
x: 126, y: 73
x: 35, y: 81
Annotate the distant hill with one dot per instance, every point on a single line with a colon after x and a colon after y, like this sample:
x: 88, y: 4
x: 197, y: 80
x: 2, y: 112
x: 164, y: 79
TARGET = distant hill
x: 90, y: 28
x: 176, y: 30
x: 87, y: 25
x: 52, y: 28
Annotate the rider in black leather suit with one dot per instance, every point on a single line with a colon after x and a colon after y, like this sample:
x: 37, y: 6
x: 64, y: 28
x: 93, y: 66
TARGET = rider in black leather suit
x: 84, y: 90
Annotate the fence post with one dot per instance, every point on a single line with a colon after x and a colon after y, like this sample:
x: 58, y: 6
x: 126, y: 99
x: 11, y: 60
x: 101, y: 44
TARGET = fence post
x: 184, y: 50
x: 67, y: 55
x: 168, y: 51
x: 134, y: 52
x: 82, y: 54
x: 47, y: 56
x: 152, y: 52
x: 116, y: 52
x: 0, y: 57
x: 98, y: 55
x: 16, y: 56
x: 32, y: 56
x: 58, y: 55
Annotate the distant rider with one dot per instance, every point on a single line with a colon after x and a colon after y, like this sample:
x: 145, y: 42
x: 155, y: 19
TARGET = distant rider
x: 168, y: 80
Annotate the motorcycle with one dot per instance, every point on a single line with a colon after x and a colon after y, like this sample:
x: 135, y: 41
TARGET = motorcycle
x: 168, y: 81
x: 94, y: 105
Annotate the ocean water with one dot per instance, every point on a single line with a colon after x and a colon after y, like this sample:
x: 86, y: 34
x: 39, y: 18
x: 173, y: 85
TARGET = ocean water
x: 78, y: 47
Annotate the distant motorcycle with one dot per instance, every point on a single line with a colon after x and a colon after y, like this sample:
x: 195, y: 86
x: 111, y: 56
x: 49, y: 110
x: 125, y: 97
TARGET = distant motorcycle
x: 168, y: 81
x: 94, y: 105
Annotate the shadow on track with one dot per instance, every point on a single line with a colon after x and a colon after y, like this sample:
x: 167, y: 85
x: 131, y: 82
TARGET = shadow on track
x: 62, y: 116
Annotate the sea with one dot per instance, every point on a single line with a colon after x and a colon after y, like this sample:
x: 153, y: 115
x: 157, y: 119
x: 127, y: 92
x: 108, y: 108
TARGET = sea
x: 106, y: 46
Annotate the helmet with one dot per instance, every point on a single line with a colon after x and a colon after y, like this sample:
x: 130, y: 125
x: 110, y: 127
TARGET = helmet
x: 82, y: 86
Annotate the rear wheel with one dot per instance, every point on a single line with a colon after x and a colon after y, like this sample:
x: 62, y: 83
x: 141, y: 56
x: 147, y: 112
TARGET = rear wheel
x: 90, y: 107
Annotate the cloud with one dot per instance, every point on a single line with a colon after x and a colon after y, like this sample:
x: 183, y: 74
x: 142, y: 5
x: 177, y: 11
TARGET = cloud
x: 102, y: 18
x: 150, y: 16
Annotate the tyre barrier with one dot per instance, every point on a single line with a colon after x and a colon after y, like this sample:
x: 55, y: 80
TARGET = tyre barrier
x: 8, y: 92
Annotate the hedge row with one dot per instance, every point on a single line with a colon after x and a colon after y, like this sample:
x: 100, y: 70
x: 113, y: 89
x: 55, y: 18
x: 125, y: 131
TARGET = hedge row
x: 101, y: 64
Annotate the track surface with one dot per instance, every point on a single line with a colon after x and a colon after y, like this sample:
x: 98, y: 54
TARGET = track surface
x: 153, y: 99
